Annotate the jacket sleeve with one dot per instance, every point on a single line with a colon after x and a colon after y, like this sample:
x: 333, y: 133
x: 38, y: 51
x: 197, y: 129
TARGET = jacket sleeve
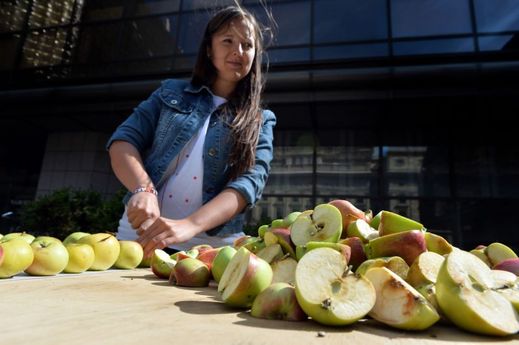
x: 251, y: 183
x: 139, y: 128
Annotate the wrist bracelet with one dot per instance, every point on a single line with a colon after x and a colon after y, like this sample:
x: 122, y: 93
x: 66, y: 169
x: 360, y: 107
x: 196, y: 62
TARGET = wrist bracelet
x: 148, y: 189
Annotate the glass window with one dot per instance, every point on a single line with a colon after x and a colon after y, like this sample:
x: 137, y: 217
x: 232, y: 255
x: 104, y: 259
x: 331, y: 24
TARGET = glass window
x: 148, y: 37
x: 192, y: 26
x: 51, y: 13
x: 147, y: 7
x: 496, y: 16
x: 49, y: 47
x: 349, y: 20
x: 288, y: 55
x: 473, y: 168
x: 103, y: 10
x: 12, y: 15
x: 98, y: 43
x: 350, y: 51
x: 145, y: 66
x: 8, y: 47
x: 501, y: 42
x: 430, y: 17
x: 455, y: 45
x: 205, y: 5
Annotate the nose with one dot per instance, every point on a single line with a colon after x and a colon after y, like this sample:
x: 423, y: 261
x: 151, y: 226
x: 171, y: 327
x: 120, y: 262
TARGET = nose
x: 238, y: 49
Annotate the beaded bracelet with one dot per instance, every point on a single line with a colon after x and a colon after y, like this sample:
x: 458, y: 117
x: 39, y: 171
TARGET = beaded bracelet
x: 148, y: 189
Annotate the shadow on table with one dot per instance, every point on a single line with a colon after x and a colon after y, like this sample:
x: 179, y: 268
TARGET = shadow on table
x: 150, y: 277
x: 374, y: 328
x: 204, y: 307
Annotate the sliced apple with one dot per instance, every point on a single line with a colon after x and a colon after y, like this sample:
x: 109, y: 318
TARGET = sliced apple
x: 398, y: 304
x: 510, y: 265
x: 341, y: 248
x: 328, y: 292
x: 244, y: 278
x: 271, y: 253
x: 361, y: 229
x: 438, y: 244
x: 407, y: 244
x: 480, y: 253
x: 358, y: 254
x: 278, y: 302
x: 391, y: 223
x: 284, y: 270
x: 424, y: 269
x: 497, y: 252
x: 393, y: 263
x: 323, y: 224
x: 465, y: 292
x: 162, y: 264
x: 281, y: 236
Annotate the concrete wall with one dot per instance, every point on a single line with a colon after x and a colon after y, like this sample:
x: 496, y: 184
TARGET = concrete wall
x: 77, y: 160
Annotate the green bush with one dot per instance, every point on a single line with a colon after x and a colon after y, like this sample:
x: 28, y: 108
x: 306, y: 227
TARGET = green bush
x: 65, y: 211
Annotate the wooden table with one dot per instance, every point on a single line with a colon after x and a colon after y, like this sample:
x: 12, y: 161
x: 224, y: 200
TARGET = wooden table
x: 133, y: 307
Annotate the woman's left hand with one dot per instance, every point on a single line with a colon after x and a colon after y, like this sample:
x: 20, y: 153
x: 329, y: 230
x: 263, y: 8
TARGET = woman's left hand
x: 164, y: 232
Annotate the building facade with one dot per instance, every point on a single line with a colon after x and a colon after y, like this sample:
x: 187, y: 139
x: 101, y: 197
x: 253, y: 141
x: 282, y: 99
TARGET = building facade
x: 394, y: 104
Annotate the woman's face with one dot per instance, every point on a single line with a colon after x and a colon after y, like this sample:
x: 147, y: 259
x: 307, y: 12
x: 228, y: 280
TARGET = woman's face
x: 232, y: 51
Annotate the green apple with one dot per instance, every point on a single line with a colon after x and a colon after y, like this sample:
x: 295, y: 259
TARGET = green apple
x: 465, y: 293
x: 80, y: 257
x: 341, y: 248
x: 262, y: 230
x: 254, y: 244
x: 1, y: 255
x: 106, y: 248
x: 145, y: 262
x: 328, y: 292
x: 208, y: 256
x: 221, y: 260
x: 130, y: 255
x: 190, y: 272
x: 244, y: 278
x: 438, y: 244
x: 74, y: 237
x: 361, y: 229
x: 398, y: 304
x: 391, y: 223
x: 23, y: 235
x: 18, y: 255
x: 278, y: 302
x: 323, y: 224
x: 424, y: 269
x: 497, y: 252
x: 290, y: 218
x: 375, y: 221
x: 162, y: 264
x: 281, y: 236
x: 479, y: 251
x: 393, y: 263
x: 277, y: 223
x: 407, y: 244
x: 284, y: 270
x: 271, y: 253
x: 50, y: 257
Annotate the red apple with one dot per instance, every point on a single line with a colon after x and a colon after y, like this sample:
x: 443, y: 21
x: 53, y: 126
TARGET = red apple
x: 358, y: 255
x: 349, y: 212
x: 190, y: 272
x: 278, y: 302
x: 207, y: 256
x: 407, y: 244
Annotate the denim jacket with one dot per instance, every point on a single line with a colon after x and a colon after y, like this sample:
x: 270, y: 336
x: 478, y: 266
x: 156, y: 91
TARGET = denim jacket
x: 164, y: 123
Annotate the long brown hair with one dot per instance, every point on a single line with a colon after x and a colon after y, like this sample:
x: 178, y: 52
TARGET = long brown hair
x: 246, y: 100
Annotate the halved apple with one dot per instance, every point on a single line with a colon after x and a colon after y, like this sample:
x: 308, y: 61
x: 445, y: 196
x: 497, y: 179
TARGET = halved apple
x: 284, y: 270
x: 162, y: 264
x: 465, y: 292
x: 323, y: 224
x: 393, y: 263
x: 244, y: 278
x: 361, y: 229
x: 391, y: 223
x: 328, y: 292
x: 398, y: 304
x: 424, y: 269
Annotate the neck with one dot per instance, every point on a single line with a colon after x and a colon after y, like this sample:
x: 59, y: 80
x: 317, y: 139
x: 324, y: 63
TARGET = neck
x: 223, y: 88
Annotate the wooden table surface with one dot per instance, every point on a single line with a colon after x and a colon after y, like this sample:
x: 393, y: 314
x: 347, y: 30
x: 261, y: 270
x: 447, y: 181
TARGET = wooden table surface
x: 133, y: 307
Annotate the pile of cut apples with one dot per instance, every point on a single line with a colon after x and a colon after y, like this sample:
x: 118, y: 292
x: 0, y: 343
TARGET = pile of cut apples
x: 336, y: 265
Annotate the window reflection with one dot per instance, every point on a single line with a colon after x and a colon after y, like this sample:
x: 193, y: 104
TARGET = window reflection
x: 96, y: 10
x: 49, y: 47
x: 455, y: 45
x: 495, y: 16
x: 191, y: 31
x: 350, y: 51
x: 51, y: 13
x: 146, y: 7
x: 98, y: 43
x: 12, y: 15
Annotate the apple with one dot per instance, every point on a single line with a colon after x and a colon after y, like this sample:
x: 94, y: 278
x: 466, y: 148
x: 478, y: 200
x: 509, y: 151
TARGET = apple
x: 162, y: 264
x: 271, y: 253
x: 424, y: 269
x: 391, y: 223
x: 50, y: 257
x: 80, y: 257
x: 208, y: 256
x: 18, y: 255
x: 465, y: 293
x: 254, y: 244
x: 323, y: 224
x: 507, y: 285
x: 290, y: 218
x: 479, y: 252
x: 262, y: 230
x: 284, y: 270
x: 497, y: 252
x: 341, y: 248
x: 407, y: 244
x: 202, y: 248
x: 394, y: 263
x: 221, y: 260
x: 361, y: 229
x: 106, y: 248
x: 510, y: 265
x: 146, y: 261
x: 1, y: 255
x: 358, y: 254
x: 375, y: 221
x: 277, y: 223
x: 23, y: 235
x: 74, y: 237
x: 130, y: 255
x: 244, y: 278
x: 436, y: 243
x: 278, y: 302
x: 181, y: 255
x: 348, y: 211
x: 190, y: 272
x: 398, y: 304
x: 281, y: 236
x: 328, y: 292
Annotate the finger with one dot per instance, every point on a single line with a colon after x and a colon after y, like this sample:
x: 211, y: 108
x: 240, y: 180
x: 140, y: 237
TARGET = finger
x: 144, y: 226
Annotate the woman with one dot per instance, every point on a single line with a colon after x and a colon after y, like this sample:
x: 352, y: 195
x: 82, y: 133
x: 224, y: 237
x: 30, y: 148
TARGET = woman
x: 196, y: 154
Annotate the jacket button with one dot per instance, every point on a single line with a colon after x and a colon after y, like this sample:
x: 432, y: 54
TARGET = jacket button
x: 173, y: 101
x: 212, y: 152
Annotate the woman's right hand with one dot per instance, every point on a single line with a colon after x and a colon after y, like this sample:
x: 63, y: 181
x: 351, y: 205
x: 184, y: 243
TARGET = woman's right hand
x: 143, y: 210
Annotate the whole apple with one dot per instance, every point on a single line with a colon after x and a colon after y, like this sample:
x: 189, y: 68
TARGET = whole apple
x: 130, y: 255
x: 80, y: 257
x: 191, y: 273
x: 18, y: 255
x: 50, y: 257
x: 23, y: 235
x: 106, y: 248
x: 74, y: 237
x: 278, y: 302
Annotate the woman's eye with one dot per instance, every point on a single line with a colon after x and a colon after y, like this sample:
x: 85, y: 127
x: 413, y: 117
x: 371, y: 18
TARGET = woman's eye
x: 227, y: 40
